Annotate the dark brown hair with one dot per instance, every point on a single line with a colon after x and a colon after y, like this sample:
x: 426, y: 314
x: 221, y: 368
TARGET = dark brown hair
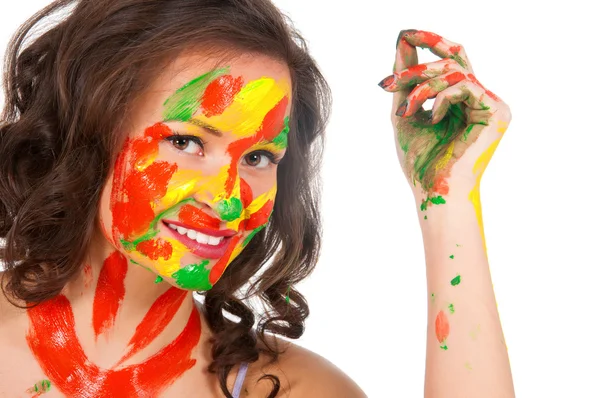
x: 57, y: 148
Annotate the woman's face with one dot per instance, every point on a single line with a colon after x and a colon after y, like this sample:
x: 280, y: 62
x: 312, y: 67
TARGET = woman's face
x: 197, y: 176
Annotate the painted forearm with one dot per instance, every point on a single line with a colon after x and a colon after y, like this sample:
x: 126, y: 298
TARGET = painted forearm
x: 466, y: 351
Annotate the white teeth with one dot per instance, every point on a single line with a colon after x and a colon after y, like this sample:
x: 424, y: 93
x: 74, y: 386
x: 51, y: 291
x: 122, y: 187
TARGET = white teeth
x: 182, y: 230
x: 197, y: 236
x: 213, y: 240
x: 202, y: 238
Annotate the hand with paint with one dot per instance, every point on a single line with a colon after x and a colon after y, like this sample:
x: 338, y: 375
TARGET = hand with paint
x: 443, y: 153
x: 450, y: 145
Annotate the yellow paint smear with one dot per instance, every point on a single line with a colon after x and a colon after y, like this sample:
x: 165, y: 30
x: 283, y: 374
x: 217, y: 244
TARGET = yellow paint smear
x: 474, y: 196
x: 245, y: 115
x: 443, y: 162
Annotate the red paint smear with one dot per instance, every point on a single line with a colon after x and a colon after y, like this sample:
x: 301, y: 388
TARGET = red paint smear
x: 454, y: 78
x: 454, y: 49
x: 413, y: 71
x: 196, y: 218
x: 218, y: 269
x: 440, y: 185
x: 87, y: 275
x: 428, y: 38
x: 54, y: 343
x: 110, y: 291
x: 261, y: 217
x: 245, y: 193
x: 156, y: 320
x: 158, y: 131
x: 488, y: 92
x: 155, y: 248
x: 442, y: 327
x: 133, y: 190
x: 272, y: 125
x: 219, y: 94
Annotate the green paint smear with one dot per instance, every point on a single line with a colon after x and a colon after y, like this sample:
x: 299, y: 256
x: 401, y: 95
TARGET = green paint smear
x: 281, y: 141
x: 182, y: 105
x: 459, y: 60
x: 252, y: 235
x: 451, y: 308
x: 444, y: 347
x: 159, y: 279
x: 287, y: 295
x: 193, y: 276
x: 431, y: 142
x: 455, y: 281
x: 432, y: 297
x: 230, y: 209
x: 452, y: 256
x: 437, y: 200
x: 45, y: 386
x: 425, y: 218
x: 467, y: 132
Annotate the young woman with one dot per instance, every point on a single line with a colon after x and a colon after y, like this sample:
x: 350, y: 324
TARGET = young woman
x: 150, y: 149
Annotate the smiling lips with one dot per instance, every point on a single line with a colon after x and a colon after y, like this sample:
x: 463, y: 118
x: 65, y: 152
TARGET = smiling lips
x: 205, y: 243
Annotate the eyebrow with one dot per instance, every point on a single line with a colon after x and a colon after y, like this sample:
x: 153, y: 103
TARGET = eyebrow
x: 206, y: 126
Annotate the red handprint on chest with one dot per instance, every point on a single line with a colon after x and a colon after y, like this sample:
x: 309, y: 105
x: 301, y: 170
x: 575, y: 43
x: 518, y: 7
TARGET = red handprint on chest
x: 56, y: 346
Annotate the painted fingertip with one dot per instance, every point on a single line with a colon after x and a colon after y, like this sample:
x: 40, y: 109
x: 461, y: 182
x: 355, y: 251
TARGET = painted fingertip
x: 402, y: 108
x: 430, y: 118
x: 387, y: 82
x: 403, y: 33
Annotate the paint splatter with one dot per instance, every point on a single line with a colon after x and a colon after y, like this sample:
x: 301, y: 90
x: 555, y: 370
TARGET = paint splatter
x: 54, y: 343
x: 451, y: 309
x: 156, y: 320
x: 432, y: 298
x: 110, y: 292
x: 437, y: 200
x: 442, y: 329
x: 195, y: 276
x: 455, y: 281
x: 41, y: 387
x: 158, y: 279
x: 468, y: 366
x: 452, y: 256
x: 425, y: 218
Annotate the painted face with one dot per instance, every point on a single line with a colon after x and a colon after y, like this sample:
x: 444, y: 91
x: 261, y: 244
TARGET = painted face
x: 196, y: 178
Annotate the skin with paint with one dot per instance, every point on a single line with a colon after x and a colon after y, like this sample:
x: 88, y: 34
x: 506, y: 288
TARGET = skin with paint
x: 195, y: 180
x: 443, y: 153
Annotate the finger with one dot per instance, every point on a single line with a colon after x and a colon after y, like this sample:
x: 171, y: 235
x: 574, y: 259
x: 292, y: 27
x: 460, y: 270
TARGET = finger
x: 406, y: 54
x: 466, y: 92
x: 478, y: 116
x: 429, y: 89
x: 441, y: 47
x: 419, y: 73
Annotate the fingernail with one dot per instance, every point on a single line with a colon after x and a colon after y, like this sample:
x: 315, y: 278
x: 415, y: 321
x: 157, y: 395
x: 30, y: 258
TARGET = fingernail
x: 387, y: 82
x: 402, y: 108
x: 403, y: 33
x: 430, y: 118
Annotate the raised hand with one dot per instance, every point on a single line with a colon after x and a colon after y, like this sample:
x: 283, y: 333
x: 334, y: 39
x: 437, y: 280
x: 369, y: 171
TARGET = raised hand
x: 459, y: 135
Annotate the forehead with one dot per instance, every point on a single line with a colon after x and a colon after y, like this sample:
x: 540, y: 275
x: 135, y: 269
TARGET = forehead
x: 186, y: 68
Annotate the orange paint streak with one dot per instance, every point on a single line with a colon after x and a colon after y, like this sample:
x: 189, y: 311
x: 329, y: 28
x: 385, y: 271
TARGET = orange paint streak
x: 54, y: 344
x: 155, y: 248
x: 110, y: 291
x: 442, y: 327
x: 429, y: 39
x: 134, y: 190
x: 454, y: 78
x: 196, y: 218
x: 440, y: 185
x: 218, y: 269
x: 156, y: 320
x: 272, y: 125
x: 412, y: 72
x: 454, y: 49
x: 261, y: 217
x: 245, y: 193
x: 219, y: 94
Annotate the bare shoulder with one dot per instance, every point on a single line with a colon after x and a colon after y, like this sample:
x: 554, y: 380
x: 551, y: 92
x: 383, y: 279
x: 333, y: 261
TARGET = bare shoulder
x: 301, y: 373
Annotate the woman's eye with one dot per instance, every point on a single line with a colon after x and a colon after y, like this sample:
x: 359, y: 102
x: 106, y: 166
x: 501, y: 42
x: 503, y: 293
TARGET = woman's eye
x: 187, y: 144
x: 259, y: 160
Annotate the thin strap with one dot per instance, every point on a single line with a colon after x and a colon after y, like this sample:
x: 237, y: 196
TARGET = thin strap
x: 239, y: 380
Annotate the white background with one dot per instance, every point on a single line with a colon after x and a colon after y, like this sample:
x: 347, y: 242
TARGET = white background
x: 540, y: 194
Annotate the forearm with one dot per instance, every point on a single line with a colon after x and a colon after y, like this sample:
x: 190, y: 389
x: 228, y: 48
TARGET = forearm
x: 466, y: 352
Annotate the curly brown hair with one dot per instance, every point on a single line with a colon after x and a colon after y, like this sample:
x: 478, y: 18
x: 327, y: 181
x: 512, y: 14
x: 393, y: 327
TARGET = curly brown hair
x: 57, y: 149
